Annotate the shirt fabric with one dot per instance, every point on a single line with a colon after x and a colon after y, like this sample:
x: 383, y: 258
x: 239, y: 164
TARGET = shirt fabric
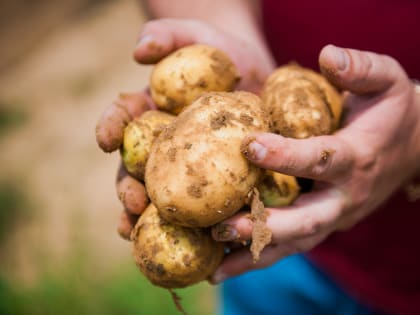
x: 291, y: 286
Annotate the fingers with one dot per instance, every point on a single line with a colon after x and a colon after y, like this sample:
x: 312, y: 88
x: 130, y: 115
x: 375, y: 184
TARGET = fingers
x: 241, y: 261
x: 131, y: 192
x: 161, y: 37
x: 133, y: 196
x: 312, y: 214
x: 126, y: 224
x: 111, y: 124
x: 321, y: 158
x: 296, y: 229
x: 358, y: 71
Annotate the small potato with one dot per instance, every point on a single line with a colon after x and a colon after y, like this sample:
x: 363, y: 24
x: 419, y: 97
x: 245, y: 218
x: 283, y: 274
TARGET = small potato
x: 178, y: 79
x: 278, y: 190
x: 196, y: 174
x: 138, y: 138
x: 301, y: 103
x: 171, y: 256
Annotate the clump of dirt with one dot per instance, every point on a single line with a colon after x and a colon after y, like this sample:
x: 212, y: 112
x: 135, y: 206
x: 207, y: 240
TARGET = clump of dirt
x: 221, y: 119
x: 261, y: 234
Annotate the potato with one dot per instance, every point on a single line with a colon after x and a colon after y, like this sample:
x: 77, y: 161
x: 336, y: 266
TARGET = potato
x: 138, y: 138
x: 278, y: 190
x: 301, y: 102
x: 171, y: 256
x: 196, y: 174
x: 178, y: 79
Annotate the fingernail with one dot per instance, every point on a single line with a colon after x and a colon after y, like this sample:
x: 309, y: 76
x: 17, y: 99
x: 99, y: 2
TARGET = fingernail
x: 219, y: 276
x: 257, y: 151
x: 342, y: 59
x: 224, y: 233
x: 145, y: 40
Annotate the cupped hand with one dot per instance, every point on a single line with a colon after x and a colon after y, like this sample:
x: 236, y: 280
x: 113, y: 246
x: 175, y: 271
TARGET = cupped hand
x: 355, y: 170
x: 109, y: 136
x: 158, y: 39
x: 163, y: 36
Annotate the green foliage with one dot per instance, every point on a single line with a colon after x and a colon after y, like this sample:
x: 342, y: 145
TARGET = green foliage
x: 11, y: 115
x: 13, y: 204
x: 124, y: 292
x: 75, y: 286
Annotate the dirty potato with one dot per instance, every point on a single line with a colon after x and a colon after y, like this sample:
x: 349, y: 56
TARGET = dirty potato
x: 278, y: 190
x: 301, y: 102
x: 138, y: 138
x: 196, y: 174
x: 178, y: 79
x: 171, y: 256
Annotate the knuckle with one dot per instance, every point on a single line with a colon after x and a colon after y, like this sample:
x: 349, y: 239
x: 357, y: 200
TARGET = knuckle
x: 392, y: 62
x: 331, y: 157
x: 320, y: 168
x: 310, y: 226
x: 368, y: 159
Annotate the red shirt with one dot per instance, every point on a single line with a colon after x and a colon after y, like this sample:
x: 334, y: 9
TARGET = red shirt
x: 377, y: 261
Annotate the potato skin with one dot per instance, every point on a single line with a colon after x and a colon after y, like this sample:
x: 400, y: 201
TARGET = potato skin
x: 171, y: 256
x: 196, y: 174
x: 278, y: 190
x: 178, y: 79
x: 138, y: 138
x: 301, y: 102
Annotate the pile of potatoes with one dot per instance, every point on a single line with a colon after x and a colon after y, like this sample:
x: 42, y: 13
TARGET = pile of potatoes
x: 188, y: 154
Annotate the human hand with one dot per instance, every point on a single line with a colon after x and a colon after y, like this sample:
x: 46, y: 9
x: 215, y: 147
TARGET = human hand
x: 158, y: 39
x: 161, y: 37
x: 355, y: 170
x: 109, y: 136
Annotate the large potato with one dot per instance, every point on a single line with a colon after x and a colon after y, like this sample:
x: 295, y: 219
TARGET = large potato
x: 301, y: 102
x: 196, y: 174
x: 138, y: 138
x: 178, y: 79
x: 171, y: 256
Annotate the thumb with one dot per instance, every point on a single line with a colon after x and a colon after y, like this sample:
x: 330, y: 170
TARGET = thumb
x: 163, y: 36
x: 359, y: 72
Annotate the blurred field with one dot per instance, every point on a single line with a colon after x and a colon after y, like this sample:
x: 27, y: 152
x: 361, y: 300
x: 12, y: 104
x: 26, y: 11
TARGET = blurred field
x: 61, y: 63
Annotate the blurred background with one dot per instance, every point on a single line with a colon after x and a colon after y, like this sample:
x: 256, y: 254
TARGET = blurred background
x: 61, y: 64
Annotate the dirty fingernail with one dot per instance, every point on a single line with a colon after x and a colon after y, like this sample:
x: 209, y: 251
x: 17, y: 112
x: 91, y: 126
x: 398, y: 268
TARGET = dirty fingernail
x: 257, y: 151
x: 224, y: 233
